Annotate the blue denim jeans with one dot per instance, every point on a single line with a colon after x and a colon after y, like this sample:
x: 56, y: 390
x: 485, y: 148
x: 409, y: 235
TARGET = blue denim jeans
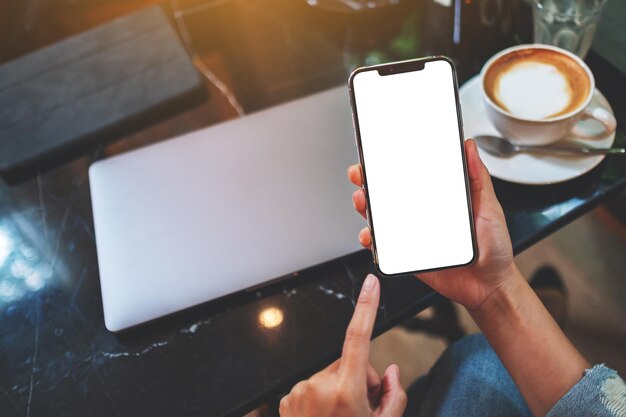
x: 468, y: 380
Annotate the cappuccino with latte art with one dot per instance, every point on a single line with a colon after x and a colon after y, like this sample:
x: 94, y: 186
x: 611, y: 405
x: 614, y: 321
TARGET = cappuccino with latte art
x: 536, y: 94
x: 537, y: 83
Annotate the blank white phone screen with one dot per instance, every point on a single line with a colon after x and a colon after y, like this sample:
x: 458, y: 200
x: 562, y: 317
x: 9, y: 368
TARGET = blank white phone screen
x: 413, y: 165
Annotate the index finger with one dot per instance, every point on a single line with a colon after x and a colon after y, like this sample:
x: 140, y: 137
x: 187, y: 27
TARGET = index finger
x: 356, y: 346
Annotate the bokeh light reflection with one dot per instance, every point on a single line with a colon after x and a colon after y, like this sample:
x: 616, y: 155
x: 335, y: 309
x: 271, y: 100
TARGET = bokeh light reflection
x: 21, y: 268
x: 271, y: 317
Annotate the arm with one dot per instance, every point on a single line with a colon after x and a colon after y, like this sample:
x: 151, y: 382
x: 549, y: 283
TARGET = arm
x: 541, y: 360
x: 539, y: 357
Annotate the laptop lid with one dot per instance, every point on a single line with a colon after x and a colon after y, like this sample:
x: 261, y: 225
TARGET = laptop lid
x: 225, y: 208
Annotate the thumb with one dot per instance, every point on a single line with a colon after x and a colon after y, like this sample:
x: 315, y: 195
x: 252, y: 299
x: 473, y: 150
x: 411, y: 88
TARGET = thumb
x: 393, y: 400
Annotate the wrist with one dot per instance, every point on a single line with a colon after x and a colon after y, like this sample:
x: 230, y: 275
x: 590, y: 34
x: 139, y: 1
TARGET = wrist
x: 502, y: 304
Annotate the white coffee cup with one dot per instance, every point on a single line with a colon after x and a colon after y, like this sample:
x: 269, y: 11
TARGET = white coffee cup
x: 535, y: 94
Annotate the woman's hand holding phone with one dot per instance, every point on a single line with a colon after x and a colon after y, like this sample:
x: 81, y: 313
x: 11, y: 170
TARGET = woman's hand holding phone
x: 500, y: 300
x: 469, y: 286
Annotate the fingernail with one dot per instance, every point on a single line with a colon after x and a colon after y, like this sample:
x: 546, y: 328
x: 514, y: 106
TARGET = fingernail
x: 397, y: 370
x: 369, y: 282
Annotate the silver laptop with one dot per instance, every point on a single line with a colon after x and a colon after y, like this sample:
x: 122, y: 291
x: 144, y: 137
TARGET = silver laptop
x: 224, y: 209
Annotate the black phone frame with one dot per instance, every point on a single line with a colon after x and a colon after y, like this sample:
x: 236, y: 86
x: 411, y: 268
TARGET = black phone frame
x: 393, y: 68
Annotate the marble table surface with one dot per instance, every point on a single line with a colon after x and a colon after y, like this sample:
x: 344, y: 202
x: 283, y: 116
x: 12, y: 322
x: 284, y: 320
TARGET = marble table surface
x: 227, y: 357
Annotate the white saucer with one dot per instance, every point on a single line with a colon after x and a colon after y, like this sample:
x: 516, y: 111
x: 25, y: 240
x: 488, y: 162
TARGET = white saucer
x: 526, y: 168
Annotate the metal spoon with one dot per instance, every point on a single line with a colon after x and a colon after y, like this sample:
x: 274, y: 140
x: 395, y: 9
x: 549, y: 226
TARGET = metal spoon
x: 502, y: 147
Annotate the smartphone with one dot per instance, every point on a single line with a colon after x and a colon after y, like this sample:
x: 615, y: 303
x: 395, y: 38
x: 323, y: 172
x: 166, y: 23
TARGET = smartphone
x: 409, y: 136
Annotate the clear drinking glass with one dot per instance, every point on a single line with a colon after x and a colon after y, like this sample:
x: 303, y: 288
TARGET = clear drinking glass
x: 568, y: 24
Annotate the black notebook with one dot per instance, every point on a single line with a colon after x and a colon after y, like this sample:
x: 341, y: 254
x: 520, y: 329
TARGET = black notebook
x: 92, y: 86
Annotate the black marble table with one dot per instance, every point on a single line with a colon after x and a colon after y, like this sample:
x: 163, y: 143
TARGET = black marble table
x: 227, y: 357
